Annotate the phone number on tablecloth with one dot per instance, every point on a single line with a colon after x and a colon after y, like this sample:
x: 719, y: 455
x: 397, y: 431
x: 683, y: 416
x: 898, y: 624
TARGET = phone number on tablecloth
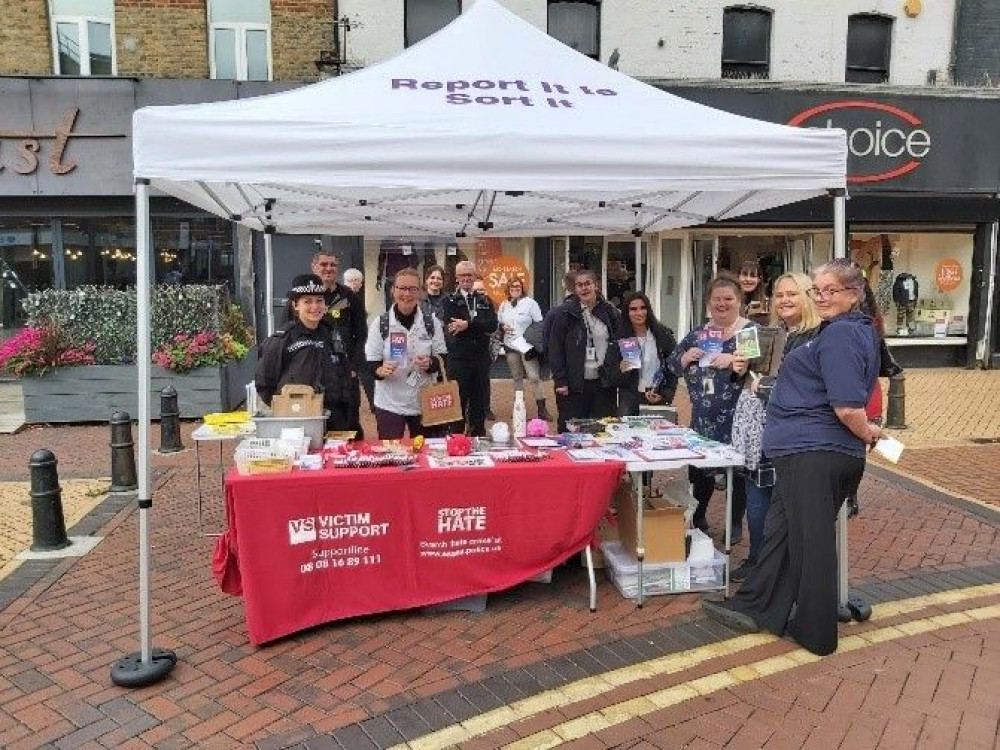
x: 340, y: 562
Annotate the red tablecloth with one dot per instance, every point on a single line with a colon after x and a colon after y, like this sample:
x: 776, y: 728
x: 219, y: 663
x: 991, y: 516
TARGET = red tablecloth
x: 317, y: 546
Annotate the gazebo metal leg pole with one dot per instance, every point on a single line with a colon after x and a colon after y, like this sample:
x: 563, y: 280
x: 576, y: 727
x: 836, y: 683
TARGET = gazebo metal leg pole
x: 840, y: 251
x: 590, y: 575
x: 268, y: 283
x: 640, y: 551
x: 149, y: 665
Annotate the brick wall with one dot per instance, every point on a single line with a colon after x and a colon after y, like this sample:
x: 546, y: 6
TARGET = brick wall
x: 977, y: 43
x: 299, y: 30
x: 162, y: 38
x: 25, y: 46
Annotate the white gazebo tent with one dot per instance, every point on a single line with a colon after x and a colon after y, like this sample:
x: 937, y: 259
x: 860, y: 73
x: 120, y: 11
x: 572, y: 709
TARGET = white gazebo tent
x: 489, y: 127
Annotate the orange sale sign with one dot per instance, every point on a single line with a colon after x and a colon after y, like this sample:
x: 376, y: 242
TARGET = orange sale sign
x: 499, y: 273
x: 948, y: 275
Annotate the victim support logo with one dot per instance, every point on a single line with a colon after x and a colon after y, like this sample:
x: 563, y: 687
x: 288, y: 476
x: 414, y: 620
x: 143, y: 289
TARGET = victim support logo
x: 301, y: 530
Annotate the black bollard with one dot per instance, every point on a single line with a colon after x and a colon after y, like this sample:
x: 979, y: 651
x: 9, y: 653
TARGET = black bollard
x: 48, y: 527
x: 123, y: 478
x: 895, y: 413
x: 170, y: 421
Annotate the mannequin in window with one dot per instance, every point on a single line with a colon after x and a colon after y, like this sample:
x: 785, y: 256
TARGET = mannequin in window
x: 905, y: 293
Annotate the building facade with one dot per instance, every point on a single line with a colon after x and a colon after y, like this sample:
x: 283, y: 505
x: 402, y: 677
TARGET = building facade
x: 923, y: 168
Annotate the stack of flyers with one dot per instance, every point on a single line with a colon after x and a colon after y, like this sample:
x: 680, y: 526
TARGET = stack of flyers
x: 710, y: 342
x: 747, y: 342
x: 397, y: 345
x: 631, y: 352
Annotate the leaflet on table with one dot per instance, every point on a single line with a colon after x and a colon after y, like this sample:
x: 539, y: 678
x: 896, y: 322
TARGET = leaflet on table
x: 747, y: 342
x: 710, y: 342
x: 668, y: 454
x: 540, y: 442
x: 397, y: 345
x: 460, y: 462
x: 631, y: 353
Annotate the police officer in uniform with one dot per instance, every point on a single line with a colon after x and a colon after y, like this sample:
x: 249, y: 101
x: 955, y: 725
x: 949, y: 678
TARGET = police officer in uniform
x: 347, y: 317
x: 469, y: 320
x: 307, y: 351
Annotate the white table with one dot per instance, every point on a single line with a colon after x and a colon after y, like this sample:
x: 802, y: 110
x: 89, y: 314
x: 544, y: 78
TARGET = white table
x: 727, y: 459
x: 204, y: 433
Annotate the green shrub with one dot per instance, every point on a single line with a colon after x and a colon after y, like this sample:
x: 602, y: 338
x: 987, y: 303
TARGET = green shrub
x: 106, y: 317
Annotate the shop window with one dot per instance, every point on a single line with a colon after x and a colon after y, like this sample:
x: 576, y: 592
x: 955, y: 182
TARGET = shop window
x: 920, y: 280
x: 25, y: 264
x: 240, y: 39
x: 424, y: 17
x: 869, y: 40
x: 577, y: 23
x: 83, y: 37
x: 746, y: 43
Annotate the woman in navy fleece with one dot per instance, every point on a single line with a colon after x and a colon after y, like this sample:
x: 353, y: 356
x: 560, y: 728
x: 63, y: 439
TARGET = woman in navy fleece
x: 816, y: 433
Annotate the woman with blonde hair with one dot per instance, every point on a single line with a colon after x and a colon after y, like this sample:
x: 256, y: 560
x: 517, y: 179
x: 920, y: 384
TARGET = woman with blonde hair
x: 796, y: 321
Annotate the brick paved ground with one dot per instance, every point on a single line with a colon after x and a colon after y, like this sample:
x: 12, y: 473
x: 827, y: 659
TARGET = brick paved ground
x: 927, y: 672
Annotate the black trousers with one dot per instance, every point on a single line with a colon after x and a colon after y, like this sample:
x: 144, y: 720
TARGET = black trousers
x: 473, y: 378
x: 702, y: 487
x: 593, y: 402
x: 340, y: 416
x: 354, y: 416
x: 798, y: 562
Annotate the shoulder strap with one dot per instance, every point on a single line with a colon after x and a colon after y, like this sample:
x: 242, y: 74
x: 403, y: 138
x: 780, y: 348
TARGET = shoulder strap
x: 428, y: 315
x: 383, y: 324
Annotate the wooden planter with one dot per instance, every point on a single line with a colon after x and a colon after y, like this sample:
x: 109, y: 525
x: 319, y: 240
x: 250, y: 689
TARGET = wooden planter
x: 93, y: 392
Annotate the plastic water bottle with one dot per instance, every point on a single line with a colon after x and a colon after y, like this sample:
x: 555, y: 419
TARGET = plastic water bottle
x: 519, y: 421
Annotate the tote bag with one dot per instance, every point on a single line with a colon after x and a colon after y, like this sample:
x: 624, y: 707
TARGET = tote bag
x: 440, y: 402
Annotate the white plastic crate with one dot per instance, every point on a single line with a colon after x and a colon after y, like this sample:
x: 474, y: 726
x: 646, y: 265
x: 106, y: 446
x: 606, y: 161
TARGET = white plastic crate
x: 661, y: 578
x: 264, y: 456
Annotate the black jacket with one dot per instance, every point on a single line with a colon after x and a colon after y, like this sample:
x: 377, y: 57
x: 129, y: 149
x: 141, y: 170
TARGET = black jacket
x: 629, y: 381
x: 303, y: 357
x: 472, y: 344
x: 348, y: 320
x: 567, y: 343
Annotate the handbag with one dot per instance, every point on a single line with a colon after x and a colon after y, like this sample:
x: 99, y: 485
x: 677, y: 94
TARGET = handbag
x: 748, y: 428
x: 440, y: 403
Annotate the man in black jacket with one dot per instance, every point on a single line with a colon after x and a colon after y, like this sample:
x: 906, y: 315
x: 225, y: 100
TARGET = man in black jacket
x: 346, y: 315
x: 469, y: 320
x: 579, y: 334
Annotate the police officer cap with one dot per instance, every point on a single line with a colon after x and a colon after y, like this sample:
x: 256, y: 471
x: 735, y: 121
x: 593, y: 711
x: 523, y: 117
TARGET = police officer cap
x: 305, y: 283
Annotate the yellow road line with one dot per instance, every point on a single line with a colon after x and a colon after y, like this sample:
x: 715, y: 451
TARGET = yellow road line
x: 591, y: 687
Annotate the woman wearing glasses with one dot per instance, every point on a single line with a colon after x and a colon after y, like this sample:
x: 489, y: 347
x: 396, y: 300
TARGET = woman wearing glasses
x: 400, y: 350
x: 816, y: 434
x: 637, y: 359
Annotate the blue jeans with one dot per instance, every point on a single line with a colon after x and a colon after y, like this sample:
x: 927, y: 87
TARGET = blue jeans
x: 758, y: 503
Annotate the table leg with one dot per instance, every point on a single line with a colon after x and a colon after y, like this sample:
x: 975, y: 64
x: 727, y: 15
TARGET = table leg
x: 590, y: 574
x: 197, y: 481
x: 729, y: 523
x: 640, y: 551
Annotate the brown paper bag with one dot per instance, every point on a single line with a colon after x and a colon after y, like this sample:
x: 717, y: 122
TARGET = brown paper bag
x: 297, y: 401
x: 440, y: 403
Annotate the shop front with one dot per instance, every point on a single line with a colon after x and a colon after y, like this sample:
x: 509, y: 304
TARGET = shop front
x: 66, y: 206
x: 922, y: 215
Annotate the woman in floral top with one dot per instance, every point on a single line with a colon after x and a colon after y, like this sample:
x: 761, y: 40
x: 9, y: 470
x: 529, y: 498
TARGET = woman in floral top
x: 705, y: 359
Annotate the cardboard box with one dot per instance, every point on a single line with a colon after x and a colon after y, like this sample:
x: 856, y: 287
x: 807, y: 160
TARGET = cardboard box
x: 297, y: 401
x: 606, y: 532
x: 662, y: 528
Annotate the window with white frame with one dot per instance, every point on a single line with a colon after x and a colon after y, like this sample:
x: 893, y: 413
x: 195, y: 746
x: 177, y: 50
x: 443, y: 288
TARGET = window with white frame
x: 240, y: 39
x: 83, y: 38
x: 746, y: 43
x: 576, y: 23
x: 424, y: 17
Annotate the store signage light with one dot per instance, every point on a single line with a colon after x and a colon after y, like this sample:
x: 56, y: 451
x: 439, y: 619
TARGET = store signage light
x: 885, y: 142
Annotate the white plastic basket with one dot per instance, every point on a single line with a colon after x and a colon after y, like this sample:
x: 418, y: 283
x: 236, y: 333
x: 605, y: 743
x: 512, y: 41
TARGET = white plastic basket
x: 264, y: 456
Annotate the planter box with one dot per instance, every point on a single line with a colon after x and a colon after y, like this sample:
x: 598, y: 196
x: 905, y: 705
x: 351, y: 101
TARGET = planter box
x: 92, y: 393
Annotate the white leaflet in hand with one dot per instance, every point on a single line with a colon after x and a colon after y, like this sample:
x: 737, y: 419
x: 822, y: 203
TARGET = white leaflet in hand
x: 889, y: 448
